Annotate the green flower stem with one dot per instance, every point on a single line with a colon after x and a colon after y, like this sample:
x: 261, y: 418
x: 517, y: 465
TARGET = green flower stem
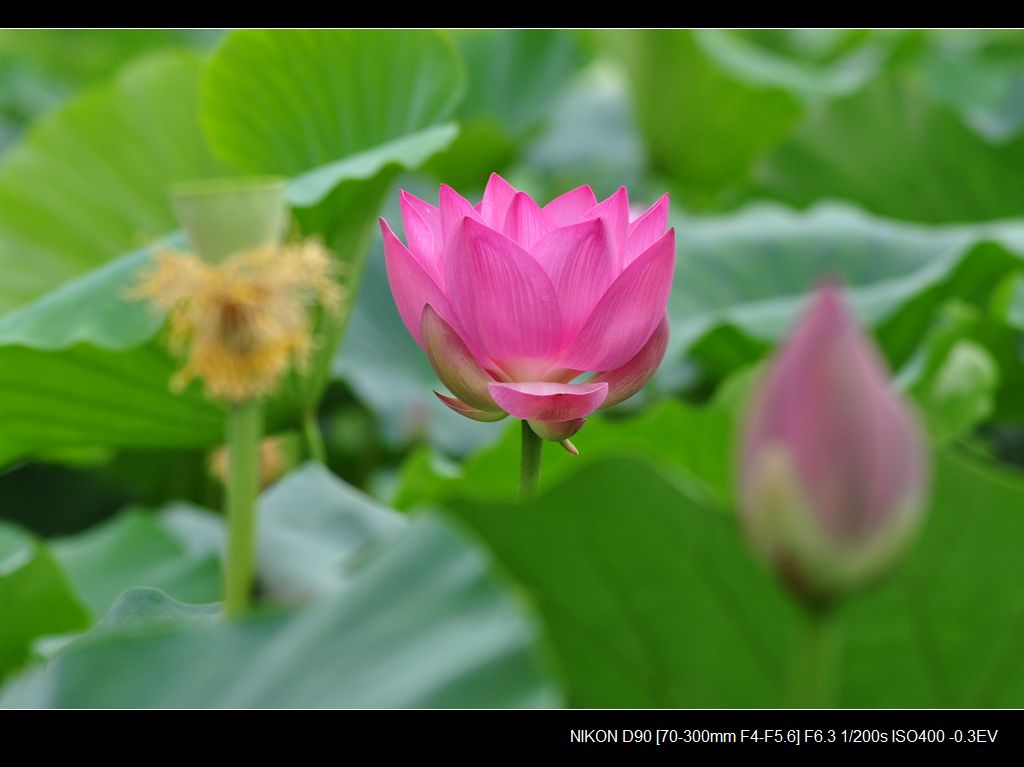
x: 244, y: 431
x: 819, y: 659
x: 529, y: 467
x: 314, y: 438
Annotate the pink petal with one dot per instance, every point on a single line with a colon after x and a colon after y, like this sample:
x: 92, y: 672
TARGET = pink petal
x: 422, y: 224
x: 628, y: 313
x: 462, y: 408
x: 497, y: 197
x: 453, y: 362
x: 543, y: 401
x: 627, y: 380
x: 411, y: 285
x: 570, y: 207
x: 615, y: 213
x: 525, y: 222
x: 426, y: 211
x: 647, y: 229
x: 503, y: 298
x: 454, y: 207
x: 827, y: 400
x: 580, y: 262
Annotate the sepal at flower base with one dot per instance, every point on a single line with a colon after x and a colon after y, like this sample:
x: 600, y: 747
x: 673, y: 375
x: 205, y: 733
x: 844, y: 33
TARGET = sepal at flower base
x: 806, y: 559
x: 559, y: 431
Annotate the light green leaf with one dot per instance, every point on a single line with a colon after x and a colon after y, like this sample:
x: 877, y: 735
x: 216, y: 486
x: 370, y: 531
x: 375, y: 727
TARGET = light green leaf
x: 424, y: 625
x: 953, y: 378
x: 82, y: 366
x: 12, y: 540
x: 980, y: 74
x: 852, y: 61
x: 898, y: 152
x: 742, y: 279
x: 134, y: 550
x: 689, y: 106
x: 514, y: 77
x: 961, y: 394
x: 90, y: 180
x: 591, y: 138
x: 1011, y: 302
x: 359, y: 89
x: 310, y: 188
x: 338, y: 111
x: 90, y: 310
x: 314, y: 532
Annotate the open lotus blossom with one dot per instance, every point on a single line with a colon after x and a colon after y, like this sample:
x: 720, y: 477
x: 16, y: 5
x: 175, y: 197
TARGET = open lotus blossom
x: 514, y: 302
x: 833, y: 469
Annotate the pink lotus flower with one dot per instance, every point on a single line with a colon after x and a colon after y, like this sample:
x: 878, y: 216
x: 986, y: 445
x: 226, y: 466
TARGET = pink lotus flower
x: 512, y: 302
x: 833, y: 469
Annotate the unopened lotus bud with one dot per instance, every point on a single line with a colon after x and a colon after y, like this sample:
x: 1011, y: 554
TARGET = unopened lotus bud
x: 833, y: 467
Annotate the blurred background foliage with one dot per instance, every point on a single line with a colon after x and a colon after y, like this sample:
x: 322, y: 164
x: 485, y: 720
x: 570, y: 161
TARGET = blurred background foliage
x: 890, y: 160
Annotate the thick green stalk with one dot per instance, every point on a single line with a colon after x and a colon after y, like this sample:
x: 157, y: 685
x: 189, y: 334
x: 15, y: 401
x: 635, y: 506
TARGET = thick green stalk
x: 529, y: 467
x: 314, y: 438
x: 244, y: 432
x: 819, y: 659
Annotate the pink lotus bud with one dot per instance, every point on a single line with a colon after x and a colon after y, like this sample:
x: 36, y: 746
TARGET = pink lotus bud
x: 513, y: 302
x: 833, y: 468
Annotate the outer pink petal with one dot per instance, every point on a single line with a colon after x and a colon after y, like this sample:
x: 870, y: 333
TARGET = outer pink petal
x: 571, y: 207
x: 497, y: 197
x: 544, y: 401
x: 411, y: 285
x: 460, y: 407
x: 647, y: 228
x: 504, y: 300
x: 454, y: 207
x: 428, y: 212
x: 525, y: 222
x: 453, y: 362
x: 615, y: 213
x: 581, y: 265
x: 422, y: 225
x: 627, y: 380
x: 628, y: 313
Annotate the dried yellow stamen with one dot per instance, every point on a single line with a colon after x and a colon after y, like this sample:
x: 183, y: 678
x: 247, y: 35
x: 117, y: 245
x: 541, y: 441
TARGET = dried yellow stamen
x: 240, y: 325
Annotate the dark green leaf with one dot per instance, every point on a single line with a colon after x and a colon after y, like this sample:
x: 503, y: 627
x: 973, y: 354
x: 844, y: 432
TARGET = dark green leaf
x: 36, y: 600
x: 652, y: 599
